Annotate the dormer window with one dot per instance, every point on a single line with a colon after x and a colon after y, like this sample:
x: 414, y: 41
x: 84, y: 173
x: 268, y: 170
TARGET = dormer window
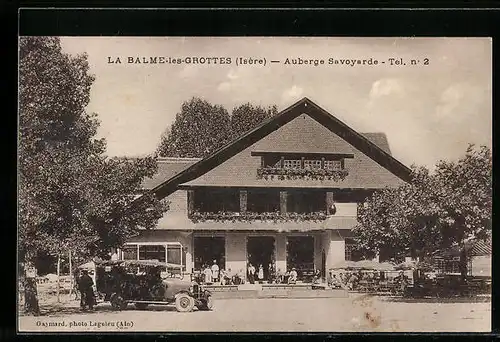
x: 287, y: 165
x: 333, y: 164
x: 312, y: 164
x: 292, y: 163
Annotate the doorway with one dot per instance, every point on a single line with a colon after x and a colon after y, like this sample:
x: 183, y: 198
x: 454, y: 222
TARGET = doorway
x: 300, y: 255
x: 260, y: 251
x: 207, y: 249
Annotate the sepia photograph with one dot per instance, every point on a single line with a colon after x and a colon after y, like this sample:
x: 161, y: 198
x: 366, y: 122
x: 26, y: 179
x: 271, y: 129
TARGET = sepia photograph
x: 254, y: 184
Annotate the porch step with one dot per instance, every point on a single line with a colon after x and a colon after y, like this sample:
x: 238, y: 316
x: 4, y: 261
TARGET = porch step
x: 250, y: 287
x: 258, y: 287
x: 281, y: 293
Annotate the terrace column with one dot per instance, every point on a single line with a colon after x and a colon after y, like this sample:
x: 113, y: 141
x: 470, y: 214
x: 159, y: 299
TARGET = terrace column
x: 329, y: 202
x: 281, y: 252
x: 334, y: 246
x: 283, y: 201
x: 243, y: 201
x: 236, y: 253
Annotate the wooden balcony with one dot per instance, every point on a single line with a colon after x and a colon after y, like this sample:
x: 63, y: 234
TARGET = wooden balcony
x: 248, y: 205
x: 197, y: 216
x: 269, y: 172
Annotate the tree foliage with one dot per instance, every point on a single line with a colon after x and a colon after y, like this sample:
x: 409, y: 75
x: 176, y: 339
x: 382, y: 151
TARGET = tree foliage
x: 71, y: 195
x: 201, y: 128
x: 435, y: 210
x: 247, y: 117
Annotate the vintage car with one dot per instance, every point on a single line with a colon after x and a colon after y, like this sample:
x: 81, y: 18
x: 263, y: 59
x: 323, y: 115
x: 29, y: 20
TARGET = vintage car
x: 448, y: 285
x: 144, y: 282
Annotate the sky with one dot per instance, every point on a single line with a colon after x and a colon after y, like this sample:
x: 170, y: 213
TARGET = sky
x: 429, y: 111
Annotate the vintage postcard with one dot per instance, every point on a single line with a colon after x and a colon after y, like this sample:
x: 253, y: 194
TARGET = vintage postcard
x: 254, y: 184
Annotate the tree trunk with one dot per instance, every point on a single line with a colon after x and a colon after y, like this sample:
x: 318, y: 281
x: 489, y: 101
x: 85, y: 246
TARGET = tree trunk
x: 463, y: 261
x: 30, y: 290
x: 70, y: 274
x: 462, y: 264
x: 58, y: 275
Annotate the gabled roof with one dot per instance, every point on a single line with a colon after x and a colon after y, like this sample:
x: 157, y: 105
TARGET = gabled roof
x: 168, y: 168
x: 472, y: 247
x: 379, y: 139
x: 304, y: 106
x: 480, y: 248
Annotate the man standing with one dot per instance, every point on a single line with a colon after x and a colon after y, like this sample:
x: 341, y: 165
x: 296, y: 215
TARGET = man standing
x: 215, y: 272
x: 251, y: 273
x: 85, y: 284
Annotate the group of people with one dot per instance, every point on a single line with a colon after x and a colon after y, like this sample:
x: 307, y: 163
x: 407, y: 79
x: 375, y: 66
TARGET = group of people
x: 211, y: 274
x: 351, y: 280
x: 215, y: 275
x: 277, y: 277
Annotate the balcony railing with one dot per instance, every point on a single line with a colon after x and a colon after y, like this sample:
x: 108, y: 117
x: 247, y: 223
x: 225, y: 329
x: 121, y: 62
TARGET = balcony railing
x: 269, y: 172
x: 197, y: 216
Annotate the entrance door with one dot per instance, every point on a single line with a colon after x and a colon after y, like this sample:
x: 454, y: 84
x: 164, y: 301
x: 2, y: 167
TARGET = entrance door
x: 300, y: 255
x: 260, y: 251
x: 207, y: 249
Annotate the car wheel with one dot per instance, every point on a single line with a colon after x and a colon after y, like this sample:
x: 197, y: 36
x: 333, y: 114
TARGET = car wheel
x: 184, y: 302
x: 208, y: 304
x: 141, y: 306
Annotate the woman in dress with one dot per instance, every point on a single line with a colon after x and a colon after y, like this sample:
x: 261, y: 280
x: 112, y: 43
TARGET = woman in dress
x: 260, y: 274
x: 208, y: 274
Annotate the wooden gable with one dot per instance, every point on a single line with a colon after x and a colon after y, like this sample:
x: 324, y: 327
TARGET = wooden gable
x: 302, y: 135
x: 232, y: 164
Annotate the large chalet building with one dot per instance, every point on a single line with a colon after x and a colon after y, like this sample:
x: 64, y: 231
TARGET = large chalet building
x: 285, y: 193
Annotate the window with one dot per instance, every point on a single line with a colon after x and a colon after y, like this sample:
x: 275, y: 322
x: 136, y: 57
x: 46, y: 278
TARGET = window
x: 129, y: 252
x: 303, y: 160
x: 216, y: 200
x: 152, y: 252
x: 306, y: 201
x: 447, y: 265
x: 351, y: 254
x: 312, y: 164
x: 348, y: 251
x: 263, y: 201
x: 333, y: 164
x: 292, y: 163
x: 174, y: 254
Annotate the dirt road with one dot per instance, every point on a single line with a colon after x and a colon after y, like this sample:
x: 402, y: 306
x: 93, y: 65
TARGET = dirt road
x: 356, y: 313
